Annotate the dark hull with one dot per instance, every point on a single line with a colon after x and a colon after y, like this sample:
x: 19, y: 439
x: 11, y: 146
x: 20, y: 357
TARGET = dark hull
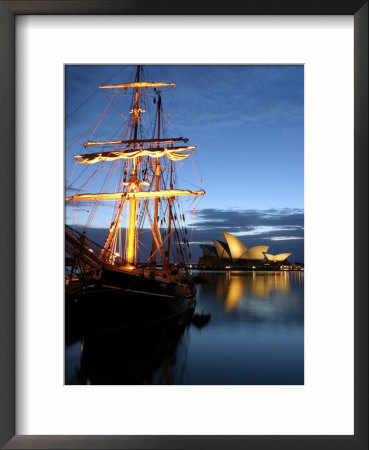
x: 119, y: 300
x: 145, y: 286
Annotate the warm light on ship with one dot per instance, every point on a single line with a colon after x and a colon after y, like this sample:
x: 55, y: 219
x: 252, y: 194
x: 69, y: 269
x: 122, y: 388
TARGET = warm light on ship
x: 136, y: 84
x: 173, y: 153
x: 134, y: 195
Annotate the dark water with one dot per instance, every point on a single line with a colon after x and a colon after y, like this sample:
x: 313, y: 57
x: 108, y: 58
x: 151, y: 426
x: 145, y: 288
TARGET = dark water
x: 255, y: 335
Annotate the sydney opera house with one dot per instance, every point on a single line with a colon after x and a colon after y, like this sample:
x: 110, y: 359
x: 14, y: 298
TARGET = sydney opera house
x: 233, y: 250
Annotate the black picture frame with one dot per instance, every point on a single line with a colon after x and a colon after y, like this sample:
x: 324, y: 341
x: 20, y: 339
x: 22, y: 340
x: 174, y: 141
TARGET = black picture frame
x: 8, y: 11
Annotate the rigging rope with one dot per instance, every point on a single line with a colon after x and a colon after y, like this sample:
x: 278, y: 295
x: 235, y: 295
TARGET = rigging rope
x: 94, y: 93
x: 108, y: 106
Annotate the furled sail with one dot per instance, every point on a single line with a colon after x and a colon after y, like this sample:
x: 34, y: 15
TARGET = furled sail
x: 136, y: 84
x: 137, y: 141
x: 140, y: 194
x: 173, y: 153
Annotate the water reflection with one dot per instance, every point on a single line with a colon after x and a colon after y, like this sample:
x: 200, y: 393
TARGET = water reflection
x: 248, y: 328
x: 149, y: 354
x: 234, y: 288
x: 257, y: 283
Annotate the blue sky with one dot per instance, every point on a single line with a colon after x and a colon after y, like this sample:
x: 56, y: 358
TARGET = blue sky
x: 248, y: 125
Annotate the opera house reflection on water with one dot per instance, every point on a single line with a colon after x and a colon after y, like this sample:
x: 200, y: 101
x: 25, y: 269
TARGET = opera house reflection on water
x: 237, y: 286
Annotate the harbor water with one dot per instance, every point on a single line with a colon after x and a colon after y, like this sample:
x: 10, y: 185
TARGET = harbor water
x: 247, y: 329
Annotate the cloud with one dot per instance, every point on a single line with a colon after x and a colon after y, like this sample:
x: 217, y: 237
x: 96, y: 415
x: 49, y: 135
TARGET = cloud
x: 281, y: 229
x: 285, y: 238
x: 250, y: 221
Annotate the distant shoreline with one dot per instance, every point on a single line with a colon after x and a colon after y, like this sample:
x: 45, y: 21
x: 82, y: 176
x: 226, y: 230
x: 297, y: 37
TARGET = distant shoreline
x: 247, y: 270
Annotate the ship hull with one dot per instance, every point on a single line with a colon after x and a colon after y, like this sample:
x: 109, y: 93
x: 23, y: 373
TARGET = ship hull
x: 119, y: 300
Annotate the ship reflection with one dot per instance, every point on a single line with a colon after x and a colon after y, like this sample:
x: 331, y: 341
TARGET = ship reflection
x: 150, y: 354
x: 246, y: 328
x: 239, y: 285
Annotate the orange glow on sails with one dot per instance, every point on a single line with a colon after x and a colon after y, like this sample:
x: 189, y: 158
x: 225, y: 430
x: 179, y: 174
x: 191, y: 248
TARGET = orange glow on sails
x: 173, y: 153
x: 137, y: 141
x: 142, y: 194
x: 137, y: 84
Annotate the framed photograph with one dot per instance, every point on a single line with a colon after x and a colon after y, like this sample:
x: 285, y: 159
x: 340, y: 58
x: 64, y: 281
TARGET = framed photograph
x: 200, y: 276
x: 253, y: 350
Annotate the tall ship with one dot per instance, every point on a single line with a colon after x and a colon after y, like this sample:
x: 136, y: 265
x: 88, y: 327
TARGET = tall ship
x: 142, y: 263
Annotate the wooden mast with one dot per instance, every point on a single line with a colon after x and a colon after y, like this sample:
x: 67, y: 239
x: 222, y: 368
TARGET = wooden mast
x: 131, y: 244
x: 157, y: 179
x: 170, y: 202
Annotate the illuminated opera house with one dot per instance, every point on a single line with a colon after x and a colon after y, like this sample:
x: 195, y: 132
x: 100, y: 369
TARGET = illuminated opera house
x: 277, y: 258
x: 234, y: 250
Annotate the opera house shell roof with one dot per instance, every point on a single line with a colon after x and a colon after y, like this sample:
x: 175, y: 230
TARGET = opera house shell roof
x: 222, y: 250
x: 239, y: 251
x: 277, y: 258
x: 234, y: 249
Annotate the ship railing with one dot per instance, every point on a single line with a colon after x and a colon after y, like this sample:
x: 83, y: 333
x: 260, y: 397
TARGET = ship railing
x: 89, y: 249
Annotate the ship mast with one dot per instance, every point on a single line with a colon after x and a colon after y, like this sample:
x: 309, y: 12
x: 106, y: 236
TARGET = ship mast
x: 157, y: 179
x: 170, y: 202
x: 131, y: 245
